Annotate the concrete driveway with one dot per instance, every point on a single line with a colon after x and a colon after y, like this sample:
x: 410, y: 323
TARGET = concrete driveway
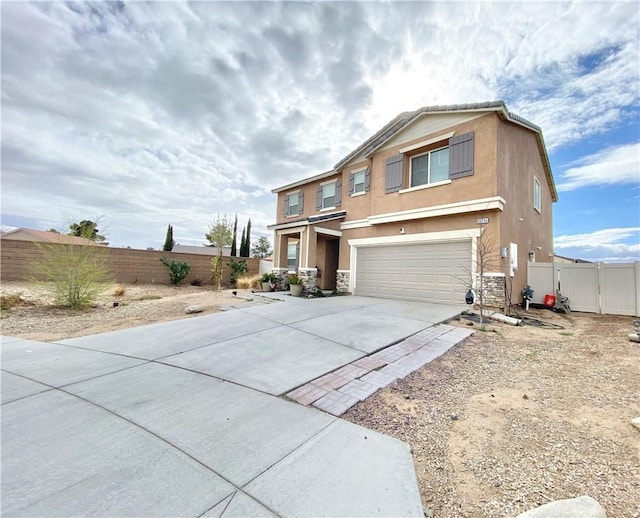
x: 183, y: 418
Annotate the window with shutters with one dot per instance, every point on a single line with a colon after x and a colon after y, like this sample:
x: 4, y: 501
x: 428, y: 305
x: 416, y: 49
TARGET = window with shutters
x: 329, y: 195
x: 358, y: 182
x: 293, y: 203
x: 430, y: 167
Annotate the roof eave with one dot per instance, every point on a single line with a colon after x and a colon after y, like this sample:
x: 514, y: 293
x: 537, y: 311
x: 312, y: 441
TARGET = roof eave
x: 299, y: 183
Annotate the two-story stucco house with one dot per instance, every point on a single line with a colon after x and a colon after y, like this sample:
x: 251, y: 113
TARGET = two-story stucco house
x: 401, y: 216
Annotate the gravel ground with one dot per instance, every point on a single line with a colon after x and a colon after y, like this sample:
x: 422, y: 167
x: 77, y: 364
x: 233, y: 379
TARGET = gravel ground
x: 505, y: 421
x: 519, y: 416
x: 38, y: 319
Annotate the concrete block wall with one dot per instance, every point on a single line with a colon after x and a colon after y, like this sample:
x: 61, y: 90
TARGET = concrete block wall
x: 124, y: 264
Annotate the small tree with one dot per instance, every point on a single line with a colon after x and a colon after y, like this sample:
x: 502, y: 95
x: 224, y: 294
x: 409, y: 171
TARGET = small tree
x: 262, y: 248
x: 177, y: 270
x: 220, y: 233
x: 76, y: 274
x: 168, y: 240
x: 234, y: 246
x: 87, y: 229
x: 219, y: 236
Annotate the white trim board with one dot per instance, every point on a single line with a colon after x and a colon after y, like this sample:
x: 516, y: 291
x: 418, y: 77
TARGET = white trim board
x: 327, y: 231
x: 428, y: 237
x: 460, y: 207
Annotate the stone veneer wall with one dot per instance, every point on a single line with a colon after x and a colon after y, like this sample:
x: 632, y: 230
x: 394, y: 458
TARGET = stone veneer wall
x: 308, y: 278
x: 494, y: 290
x: 342, y: 281
x: 282, y: 278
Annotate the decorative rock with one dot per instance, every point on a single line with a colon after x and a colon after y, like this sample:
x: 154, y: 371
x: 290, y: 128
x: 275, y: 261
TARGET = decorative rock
x: 636, y: 422
x: 581, y: 507
x: 194, y: 309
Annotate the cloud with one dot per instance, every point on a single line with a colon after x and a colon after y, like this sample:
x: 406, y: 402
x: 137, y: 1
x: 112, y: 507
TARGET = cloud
x: 606, y: 245
x: 151, y: 113
x: 614, y: 165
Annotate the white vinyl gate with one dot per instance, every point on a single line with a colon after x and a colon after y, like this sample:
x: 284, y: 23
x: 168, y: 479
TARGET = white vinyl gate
x: 429, y: 272
x: 612, y: 289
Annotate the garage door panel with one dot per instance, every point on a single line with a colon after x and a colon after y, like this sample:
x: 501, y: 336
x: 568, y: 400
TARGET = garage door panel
x: 426, y: 271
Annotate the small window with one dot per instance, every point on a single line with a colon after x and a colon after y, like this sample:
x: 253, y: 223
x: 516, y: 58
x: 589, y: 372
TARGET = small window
x: 329, y: 195
x: 292, y: 256
x: 430, y: 167
x: 536, y: 195
x: 294, y: 200
x: 358, y: 182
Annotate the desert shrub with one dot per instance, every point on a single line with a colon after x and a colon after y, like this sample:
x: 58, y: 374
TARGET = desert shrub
x: 119, y: 291
x: 249, y: 283
x: 76, y: 274
x: 196, y: 282
x: 9, y: 301
x: 238, y: 269
x: 177, y: 270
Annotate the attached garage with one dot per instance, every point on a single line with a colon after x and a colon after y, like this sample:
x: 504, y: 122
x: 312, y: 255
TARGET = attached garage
x: 429, y: 272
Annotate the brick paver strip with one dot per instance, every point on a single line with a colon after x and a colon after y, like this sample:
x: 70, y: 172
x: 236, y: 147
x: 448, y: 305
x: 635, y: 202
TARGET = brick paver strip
x: 359, y: 389
x: 369, y: 363
x: 379, y: 379
x: 351, y: 371
x: 336, y: 403
x: 307, y: 396
x: 331, y: 381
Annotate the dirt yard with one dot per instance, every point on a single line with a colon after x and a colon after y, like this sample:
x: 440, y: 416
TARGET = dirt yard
x: 507, y: 420
x: 518, y: 416
x: 36, y: 318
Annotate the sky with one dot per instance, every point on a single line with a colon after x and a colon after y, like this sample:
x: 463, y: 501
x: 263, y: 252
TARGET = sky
x: 148, y: 114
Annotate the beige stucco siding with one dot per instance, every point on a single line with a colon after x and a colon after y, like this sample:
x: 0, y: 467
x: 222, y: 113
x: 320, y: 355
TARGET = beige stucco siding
x: 519, y: 162
x: 481, y: 185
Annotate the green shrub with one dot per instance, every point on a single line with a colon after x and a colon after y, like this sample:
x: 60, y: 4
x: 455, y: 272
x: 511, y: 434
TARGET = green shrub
x: 268, y: 277
x: 294, y: 279
x: 177, y: 270
x: 238, y: 269
x: 77, y: 274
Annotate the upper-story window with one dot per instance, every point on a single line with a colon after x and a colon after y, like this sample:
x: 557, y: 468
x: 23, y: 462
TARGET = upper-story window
x: 536, y: 195
x: 359, y: 181
x: 329, y: 195
x: 293, y: 203
x: 430, y: 167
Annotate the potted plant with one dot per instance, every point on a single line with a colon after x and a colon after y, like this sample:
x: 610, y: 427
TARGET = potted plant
x: 295, y: 285
x: 268, y: 282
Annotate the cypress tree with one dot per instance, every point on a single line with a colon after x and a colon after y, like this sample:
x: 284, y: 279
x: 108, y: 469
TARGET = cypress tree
x: 234, y: 247
x: 242, y: 243
x: 168, y: 240
x: 247, y: 245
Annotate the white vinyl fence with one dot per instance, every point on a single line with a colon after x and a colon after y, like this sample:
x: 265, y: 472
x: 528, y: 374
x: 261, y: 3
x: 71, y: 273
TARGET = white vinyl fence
x: 612, y: 289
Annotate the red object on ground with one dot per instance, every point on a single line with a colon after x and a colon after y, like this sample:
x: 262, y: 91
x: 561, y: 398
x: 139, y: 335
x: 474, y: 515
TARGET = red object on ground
x: 549, y: 300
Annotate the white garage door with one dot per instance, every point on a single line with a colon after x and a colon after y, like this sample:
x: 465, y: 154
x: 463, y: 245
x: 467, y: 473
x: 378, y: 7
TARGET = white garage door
x: 433, y: 272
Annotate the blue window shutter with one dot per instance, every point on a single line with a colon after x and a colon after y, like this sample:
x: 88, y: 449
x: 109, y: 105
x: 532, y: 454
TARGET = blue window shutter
x: 319, y: 198
x: 393, y: 177
x: 300, y: 202
x: 461, y: 156
x: 367, y: 180
x: 338, y: 196
x: 351, y: 183
x: 286, y: 205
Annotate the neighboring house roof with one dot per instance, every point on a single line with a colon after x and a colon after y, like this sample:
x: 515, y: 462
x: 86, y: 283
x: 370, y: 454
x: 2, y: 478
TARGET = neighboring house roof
x: 401, y: 121
x: 570, y: 259
x: 200, y: 250
x: 42, y: 236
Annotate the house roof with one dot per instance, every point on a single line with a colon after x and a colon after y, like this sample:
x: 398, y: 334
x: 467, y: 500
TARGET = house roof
x: 404, y: 119
x: 50, y: 237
